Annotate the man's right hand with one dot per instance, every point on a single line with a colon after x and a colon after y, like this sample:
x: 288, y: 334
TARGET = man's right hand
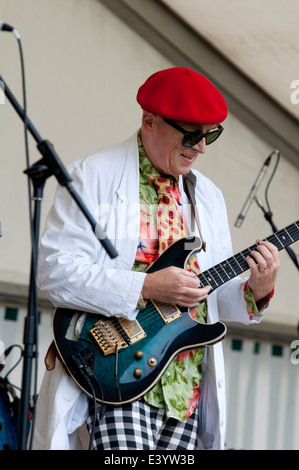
x: 174, y: 285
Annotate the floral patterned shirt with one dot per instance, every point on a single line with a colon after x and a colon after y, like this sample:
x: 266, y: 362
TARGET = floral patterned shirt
x: 178, y: 389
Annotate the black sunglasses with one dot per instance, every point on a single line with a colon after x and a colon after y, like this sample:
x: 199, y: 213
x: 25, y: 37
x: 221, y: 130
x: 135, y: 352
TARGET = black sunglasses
x: 192, y: 138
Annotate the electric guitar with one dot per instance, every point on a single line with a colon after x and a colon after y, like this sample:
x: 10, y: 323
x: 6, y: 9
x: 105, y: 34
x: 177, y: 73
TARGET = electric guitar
x: 115, y: 360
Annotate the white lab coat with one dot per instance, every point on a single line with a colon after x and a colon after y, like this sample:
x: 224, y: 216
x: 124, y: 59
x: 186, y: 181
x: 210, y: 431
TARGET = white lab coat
x: 76, y: 272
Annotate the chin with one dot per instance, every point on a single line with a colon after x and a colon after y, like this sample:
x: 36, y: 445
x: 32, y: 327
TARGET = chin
x: 184, y: 171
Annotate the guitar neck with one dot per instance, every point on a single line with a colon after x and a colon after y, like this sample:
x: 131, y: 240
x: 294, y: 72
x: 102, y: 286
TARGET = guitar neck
x: 236, y: 265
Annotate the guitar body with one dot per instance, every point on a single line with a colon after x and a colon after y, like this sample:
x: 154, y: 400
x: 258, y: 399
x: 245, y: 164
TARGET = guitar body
x: 123, y: 359
x: 116, y: 360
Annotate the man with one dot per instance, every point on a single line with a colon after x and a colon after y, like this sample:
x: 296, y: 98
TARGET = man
x: 182, y: 112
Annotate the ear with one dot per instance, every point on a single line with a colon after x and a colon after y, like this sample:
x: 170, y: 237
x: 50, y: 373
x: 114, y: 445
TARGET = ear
x: 148, y: 121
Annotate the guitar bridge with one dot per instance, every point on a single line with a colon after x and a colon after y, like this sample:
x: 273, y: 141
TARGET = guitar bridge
x: 168, y: 312
x: 116, y: 333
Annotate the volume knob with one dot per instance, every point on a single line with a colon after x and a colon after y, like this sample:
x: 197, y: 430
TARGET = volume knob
x: 152, y: 362
x: 137, y: 373
x: 138, y: 354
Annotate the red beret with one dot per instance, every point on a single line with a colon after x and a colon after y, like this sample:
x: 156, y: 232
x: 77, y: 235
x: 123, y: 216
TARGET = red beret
x: 182, y: 94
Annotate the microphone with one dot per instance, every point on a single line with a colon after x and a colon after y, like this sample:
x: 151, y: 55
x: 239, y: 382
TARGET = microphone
x: 5, y: 27
x: 11, y: 29
x: 253, y: 191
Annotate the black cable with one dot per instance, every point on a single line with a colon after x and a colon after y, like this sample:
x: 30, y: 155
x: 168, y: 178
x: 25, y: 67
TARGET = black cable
x: 94, y: 401
x: 79, y: 364
x: 93, y: 410
x: 91, y: 434
x: 116, y: 373
x: 26, y: 136
x: 16, y: 364
x: 31, y: 222
x: 268, y: 214
x: 270, y: 180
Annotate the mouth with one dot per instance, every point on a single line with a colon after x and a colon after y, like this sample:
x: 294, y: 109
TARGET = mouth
x: 188, y: 158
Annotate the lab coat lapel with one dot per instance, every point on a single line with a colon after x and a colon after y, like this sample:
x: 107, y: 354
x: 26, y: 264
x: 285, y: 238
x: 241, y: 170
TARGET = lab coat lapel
x: 128, y: 208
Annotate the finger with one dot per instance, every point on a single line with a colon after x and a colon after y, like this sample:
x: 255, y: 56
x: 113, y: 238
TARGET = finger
x: 270, y: 255
x: 189, y: 282
x: 269, y: 245
x: 265, y: 259
x: 205, y: 290
x: 265, y: 255
x: 256, y: 261
x: 188, y: 273
x: 193, y: 299
x: 270, y: 248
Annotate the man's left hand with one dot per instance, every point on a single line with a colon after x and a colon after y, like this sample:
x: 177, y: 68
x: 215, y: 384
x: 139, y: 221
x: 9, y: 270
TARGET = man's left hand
x: 264, y: 265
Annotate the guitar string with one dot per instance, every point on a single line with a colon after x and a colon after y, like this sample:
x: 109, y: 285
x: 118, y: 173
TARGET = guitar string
x: 147, y: 314
x: 292, y: 233
x: 240, y: 258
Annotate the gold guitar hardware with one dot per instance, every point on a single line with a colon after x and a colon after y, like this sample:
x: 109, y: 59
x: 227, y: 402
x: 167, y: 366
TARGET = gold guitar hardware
x: 138, y: 354
x: 137, y: 373
x: 152, y: 362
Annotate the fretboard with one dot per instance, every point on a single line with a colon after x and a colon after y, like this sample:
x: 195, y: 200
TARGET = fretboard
x: 237, y: 264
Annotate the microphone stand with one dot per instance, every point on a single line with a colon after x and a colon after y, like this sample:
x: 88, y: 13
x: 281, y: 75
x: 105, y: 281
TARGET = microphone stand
x: 38, y: 173
x: 268, y: 216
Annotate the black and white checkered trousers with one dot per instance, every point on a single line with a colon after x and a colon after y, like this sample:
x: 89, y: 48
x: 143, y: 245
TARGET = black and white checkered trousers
x: 139, y: 426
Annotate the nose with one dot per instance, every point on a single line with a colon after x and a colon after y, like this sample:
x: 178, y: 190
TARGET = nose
x: 200, y: 147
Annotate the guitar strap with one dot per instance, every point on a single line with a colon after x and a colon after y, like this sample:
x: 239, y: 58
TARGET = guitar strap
x: 189, y: 182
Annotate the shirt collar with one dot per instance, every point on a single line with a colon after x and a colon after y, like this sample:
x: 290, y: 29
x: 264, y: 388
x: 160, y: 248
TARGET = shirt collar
x: 148, y: 170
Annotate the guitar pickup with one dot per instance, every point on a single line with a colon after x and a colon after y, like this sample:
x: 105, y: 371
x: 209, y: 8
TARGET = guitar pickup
x: 168, y: 312
x: 116, y: 333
